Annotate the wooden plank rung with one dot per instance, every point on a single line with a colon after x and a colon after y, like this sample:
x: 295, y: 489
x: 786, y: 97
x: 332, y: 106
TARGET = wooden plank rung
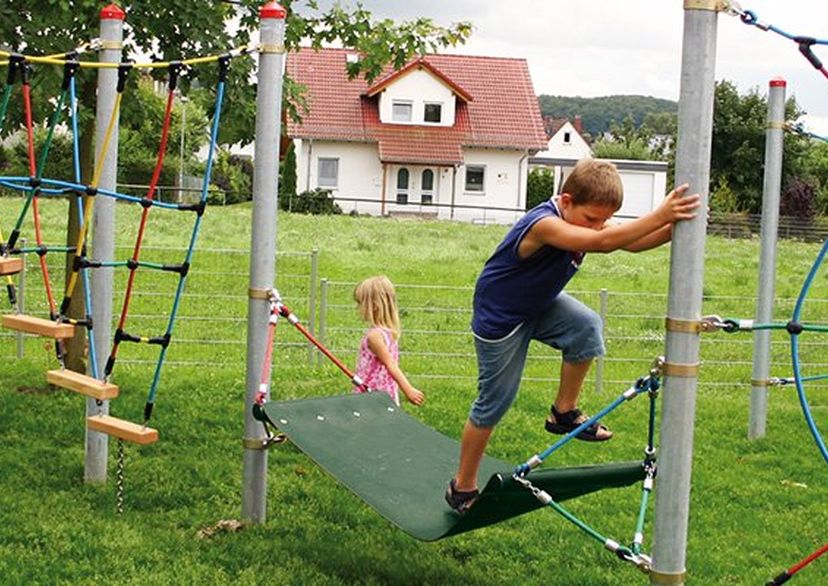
x: 10, y: 266
x: 38, y: 326
x: 126, y: 430
x: 80, y: 383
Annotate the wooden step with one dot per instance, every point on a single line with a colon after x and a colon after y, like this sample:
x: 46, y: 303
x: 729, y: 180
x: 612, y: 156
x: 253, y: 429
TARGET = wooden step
x: 10, y: 266
x: 80, y: 383
x: 36, y: 325
x: 126, y: 430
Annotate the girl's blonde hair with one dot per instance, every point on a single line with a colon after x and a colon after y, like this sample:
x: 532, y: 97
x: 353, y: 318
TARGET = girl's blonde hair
x: 377, y: 303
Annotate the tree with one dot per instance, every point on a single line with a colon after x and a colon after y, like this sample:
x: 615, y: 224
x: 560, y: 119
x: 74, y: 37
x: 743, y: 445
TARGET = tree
x: 540, y: 186
x: 738, y: 149
x: 168, y: 31
x: 627, y: 140
x: 287, y: 178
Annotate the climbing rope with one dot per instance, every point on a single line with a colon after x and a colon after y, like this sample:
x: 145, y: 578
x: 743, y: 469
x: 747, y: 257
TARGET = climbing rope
x: 633, y: 554
x: 805, y: 43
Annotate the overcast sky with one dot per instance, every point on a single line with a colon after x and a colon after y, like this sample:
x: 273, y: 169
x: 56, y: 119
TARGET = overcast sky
x: 606, y: 47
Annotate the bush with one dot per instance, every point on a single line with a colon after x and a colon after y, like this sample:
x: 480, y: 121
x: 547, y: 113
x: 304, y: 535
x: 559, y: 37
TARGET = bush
x: 540, y: 186
x: 799, y: 201
x: 318, y: 202
x: 233, y: 175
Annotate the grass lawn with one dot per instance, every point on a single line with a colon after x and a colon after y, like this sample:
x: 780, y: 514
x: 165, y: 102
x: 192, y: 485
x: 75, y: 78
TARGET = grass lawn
x: 756, y: 506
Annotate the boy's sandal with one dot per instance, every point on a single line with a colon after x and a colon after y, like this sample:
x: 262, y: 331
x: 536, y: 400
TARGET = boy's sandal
x: 563, y: 423
x: 460, y: 500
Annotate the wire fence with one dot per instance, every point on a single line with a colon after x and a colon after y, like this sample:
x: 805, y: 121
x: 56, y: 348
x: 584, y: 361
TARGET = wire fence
x: 211, y: 332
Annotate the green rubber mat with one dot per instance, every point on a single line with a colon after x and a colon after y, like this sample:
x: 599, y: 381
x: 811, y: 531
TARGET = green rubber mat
x: 401, y: 468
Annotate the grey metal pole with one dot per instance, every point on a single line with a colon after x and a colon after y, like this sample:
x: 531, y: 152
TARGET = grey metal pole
x: 314, y: 276
x: 695, y: 129
x: 774, y: 137
x: 262, y: 249
x: 323, y: 316
x: 21, y: 301
x: 599, y: 363
x: 103, y: 228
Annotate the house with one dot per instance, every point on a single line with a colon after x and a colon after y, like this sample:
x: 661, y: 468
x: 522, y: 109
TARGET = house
x: 644, y: 182
x: 445, y: 136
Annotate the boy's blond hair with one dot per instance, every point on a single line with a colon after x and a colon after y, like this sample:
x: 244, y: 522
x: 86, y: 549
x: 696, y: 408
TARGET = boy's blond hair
x: 377, y: 303
x: 594, y: 181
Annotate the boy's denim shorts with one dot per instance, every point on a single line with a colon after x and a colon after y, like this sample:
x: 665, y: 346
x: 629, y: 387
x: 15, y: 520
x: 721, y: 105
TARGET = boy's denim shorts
x: 569, y: 326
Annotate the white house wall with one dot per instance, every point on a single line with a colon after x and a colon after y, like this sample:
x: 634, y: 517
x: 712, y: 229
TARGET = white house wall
x: 360, y: 173
x: 504, y: 187
x: 359, y: 186
x: 419, y: 87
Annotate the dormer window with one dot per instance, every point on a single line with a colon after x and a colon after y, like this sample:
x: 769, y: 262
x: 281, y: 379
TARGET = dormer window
x: 433, y: 113
x: 401, y: 110
x: 567, y: 138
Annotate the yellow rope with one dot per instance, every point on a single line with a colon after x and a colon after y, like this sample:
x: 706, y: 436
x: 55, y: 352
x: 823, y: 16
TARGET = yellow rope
x: 57, y: 60
x: 96, y: 177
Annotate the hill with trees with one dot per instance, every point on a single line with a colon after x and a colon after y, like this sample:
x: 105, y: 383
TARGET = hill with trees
x: 598, y: 114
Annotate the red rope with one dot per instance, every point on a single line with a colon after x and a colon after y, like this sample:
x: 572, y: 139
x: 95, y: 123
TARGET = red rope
x: 796, y: 567
x: 44, y: 269
x: 264, y: 381
x: 286, y: 312
x: 136, y: 253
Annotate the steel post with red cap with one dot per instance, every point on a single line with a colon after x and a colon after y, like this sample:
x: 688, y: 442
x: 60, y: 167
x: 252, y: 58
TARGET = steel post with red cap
x: 262, y: 249
x: 103, y: 235
x: 774, y: 140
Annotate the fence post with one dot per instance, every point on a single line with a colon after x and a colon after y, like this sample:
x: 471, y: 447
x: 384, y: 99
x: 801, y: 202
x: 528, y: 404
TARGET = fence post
x: 599, y: 364
x: 21, y: 301
x: 323, y: 316
x: 314, y: 269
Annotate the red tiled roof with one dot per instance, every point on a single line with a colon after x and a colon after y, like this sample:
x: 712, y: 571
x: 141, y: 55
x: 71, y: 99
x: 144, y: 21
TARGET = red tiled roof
x: 504, y: 112
x: 422, y: 62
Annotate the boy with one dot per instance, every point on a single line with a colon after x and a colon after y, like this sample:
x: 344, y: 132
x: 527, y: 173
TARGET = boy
x: 519, y: 297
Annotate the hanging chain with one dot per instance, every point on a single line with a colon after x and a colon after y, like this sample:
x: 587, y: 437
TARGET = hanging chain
x: 119, y: 479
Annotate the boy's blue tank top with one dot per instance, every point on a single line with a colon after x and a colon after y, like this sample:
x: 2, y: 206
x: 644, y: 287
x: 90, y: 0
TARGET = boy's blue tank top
x: 511, y: 290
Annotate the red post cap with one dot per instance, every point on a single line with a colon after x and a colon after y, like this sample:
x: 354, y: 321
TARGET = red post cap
x: 112, y: 12
x: 272, y: 10
x: 778, y: 82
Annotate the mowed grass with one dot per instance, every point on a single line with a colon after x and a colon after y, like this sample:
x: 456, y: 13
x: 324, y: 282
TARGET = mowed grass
x: 756, y: 506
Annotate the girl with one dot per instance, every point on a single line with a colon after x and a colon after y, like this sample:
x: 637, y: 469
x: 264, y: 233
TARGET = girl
x: 378, y: 361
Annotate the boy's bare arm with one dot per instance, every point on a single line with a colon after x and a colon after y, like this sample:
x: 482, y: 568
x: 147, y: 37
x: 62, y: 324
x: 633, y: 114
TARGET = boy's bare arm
x: 561, y: 234
x: 651, y: 240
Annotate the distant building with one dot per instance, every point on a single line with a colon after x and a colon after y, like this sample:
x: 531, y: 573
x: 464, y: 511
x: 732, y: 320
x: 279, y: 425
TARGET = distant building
x: 645, y: 182
x: 445, y: 136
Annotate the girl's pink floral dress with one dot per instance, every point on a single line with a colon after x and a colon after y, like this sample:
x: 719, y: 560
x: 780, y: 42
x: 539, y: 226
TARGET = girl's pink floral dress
x: 373, y: 372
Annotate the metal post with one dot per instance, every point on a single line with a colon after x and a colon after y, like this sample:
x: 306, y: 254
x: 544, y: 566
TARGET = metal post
x: 774, y: 137
x: 314, y: 275
x: 103, y: 228
x: 262, y: 248
x: 182, y: 100
x: 323, y: 316
x: 599, y: 363
x: 695, y: 126
x: 21, y: 301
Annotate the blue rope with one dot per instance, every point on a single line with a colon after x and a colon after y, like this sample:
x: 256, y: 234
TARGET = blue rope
x: 63, y: 187
x: 800, y: 388
x: 750, y: 17
x: 87, y: 293
x: 193, y: 238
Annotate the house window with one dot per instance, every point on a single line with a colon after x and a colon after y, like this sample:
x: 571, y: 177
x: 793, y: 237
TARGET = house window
x: 402, y: 186
x: 433, y: 113
x: 401, y: 111
x: 427, y: 187
x: 475, y: 177
x: 567, y: 138
x: 328, y: 172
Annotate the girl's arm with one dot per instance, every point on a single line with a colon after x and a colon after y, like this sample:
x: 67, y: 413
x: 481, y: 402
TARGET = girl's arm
x: 377, y: 345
